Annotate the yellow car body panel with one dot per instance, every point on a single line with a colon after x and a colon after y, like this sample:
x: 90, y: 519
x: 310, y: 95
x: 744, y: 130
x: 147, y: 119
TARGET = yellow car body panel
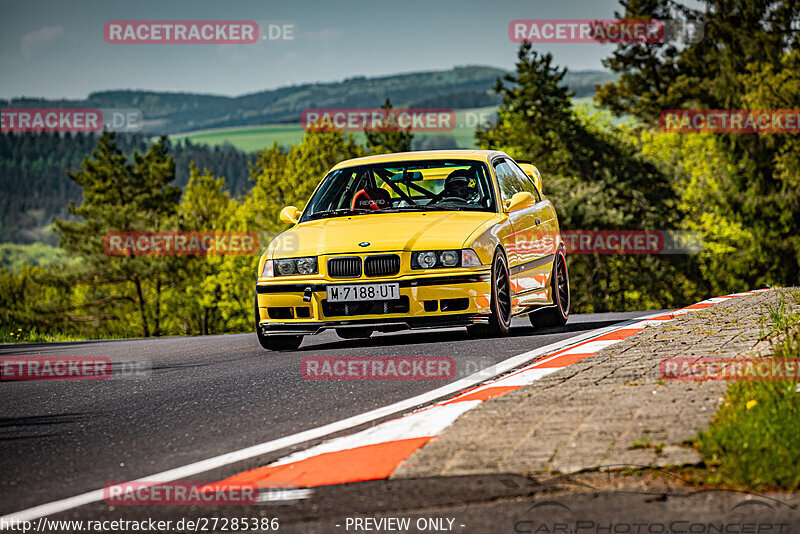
x: 388, y: 232
x: 528, y: 237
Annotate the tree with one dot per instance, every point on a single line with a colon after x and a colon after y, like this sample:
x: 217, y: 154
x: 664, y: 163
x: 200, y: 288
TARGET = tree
x: 747, y: 59
x: 389, y: 137
x: 700, y: 74
x: 596, y: 178
x: 193, y: 305
x: 121, y: 196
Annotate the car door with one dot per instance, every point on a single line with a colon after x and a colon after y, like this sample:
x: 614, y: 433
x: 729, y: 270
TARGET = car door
x: 533, y: 239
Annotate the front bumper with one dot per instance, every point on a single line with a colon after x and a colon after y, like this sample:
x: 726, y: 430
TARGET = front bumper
x: 432, y: 301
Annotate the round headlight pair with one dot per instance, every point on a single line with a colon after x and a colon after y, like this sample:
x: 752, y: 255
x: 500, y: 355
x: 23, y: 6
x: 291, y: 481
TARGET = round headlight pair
x: 433, y: 258
x: 291, y: 266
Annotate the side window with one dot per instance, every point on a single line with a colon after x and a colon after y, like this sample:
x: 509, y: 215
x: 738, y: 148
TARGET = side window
x: 529, y: 185
x: 509, y: 182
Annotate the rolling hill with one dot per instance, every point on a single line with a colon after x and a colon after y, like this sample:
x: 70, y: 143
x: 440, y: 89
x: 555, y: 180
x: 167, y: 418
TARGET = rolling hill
x: 169, y: 113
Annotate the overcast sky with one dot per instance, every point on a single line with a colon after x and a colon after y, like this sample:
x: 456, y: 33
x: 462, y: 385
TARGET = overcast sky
x: 56, y: 48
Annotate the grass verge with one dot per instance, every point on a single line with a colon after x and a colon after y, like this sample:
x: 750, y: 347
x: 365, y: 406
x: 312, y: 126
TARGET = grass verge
x: 19, y: 335
x: 754, y: 440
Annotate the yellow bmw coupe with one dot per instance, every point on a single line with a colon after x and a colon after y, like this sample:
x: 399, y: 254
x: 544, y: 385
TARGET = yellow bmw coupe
x: 432, y: 239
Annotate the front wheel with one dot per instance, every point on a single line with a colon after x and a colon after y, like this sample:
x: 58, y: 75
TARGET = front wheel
x: 276, y: 343
x: 558, y: 314
x: 500, y: 318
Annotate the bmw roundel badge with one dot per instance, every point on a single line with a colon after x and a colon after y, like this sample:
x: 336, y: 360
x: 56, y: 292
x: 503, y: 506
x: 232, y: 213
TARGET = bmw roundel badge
x: 364, y: 244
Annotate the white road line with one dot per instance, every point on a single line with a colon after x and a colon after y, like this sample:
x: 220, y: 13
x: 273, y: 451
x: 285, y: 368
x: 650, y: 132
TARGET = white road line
x: 592, y: 347
x: 316, y: 433
x: 525, y: 378
x: 421, y: 424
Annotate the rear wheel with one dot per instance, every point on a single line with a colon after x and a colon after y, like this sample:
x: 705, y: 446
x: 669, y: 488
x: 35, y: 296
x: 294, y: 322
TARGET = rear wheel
x: 354, y: 333
x: 500, y: 318
x: 558, y: 314
x: 276, y: 343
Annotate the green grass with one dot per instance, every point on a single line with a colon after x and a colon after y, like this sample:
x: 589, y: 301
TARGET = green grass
x: 20, y: 335
x: 256, y: 138
x: 779, y: 319
x: 754, y: 440
x: 248, y: 139
x: 647, y: 443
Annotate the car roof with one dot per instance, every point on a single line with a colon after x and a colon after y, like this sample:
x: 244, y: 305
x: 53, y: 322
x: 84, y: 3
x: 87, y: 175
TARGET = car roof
x: 479, y: 155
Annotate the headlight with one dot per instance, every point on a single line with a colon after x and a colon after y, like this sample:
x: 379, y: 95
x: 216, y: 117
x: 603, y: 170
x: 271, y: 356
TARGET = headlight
x: 426, y: 260
x: 449, y: 258
x: 290, y: 266
x: 435, y: 258
x: 307, y: 265
x: 285, y: 267
x: 268, y: 271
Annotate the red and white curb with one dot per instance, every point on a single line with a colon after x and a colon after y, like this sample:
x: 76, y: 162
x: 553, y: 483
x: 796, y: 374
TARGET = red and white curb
x: 375, y: 453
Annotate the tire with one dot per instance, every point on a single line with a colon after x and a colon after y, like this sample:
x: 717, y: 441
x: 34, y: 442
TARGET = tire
x: 276, y: 343
x: 354, y: 333
x: 500, y: 318
x: 556, y: 315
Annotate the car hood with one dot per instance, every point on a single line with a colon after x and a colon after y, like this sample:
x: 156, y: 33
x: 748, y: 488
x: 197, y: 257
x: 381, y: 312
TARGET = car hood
x: 383, y: 232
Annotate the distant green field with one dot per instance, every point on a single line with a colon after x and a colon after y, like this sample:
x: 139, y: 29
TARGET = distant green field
x: 249, y: 139
x: 256, y: 138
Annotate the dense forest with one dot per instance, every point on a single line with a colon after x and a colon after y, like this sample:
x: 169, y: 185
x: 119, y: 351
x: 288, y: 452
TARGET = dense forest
x: 35, y: 186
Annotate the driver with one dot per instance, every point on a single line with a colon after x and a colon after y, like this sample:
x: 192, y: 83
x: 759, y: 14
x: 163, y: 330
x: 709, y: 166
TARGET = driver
x: 456, y: 185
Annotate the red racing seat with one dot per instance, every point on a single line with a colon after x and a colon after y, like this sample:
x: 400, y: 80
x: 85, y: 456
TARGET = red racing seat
x: 372, y: 198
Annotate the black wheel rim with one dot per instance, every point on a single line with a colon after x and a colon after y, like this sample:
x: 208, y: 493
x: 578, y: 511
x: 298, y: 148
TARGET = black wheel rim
x: 503, y: 292
x: 563, y: 284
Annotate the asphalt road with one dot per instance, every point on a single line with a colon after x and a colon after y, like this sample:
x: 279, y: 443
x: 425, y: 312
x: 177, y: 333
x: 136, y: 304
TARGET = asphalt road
x: 206, y: 396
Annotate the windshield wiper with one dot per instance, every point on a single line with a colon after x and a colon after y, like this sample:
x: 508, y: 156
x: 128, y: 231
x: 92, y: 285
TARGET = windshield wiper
x: 339, y: 213
x: 416, y: 208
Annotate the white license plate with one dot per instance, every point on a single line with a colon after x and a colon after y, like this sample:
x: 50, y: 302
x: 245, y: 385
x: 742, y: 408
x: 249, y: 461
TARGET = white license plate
x: 363, y: 292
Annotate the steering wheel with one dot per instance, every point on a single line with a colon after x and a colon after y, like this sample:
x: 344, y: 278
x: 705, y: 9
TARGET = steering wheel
x: 472, y: 197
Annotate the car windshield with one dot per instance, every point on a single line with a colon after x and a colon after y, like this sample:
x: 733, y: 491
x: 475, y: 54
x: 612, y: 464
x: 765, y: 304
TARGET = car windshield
x: 440, y: 185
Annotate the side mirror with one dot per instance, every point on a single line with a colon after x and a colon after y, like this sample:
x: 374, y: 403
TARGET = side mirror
x: 534, y: 173
x: 521, y: 200
x: 290, y: 214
